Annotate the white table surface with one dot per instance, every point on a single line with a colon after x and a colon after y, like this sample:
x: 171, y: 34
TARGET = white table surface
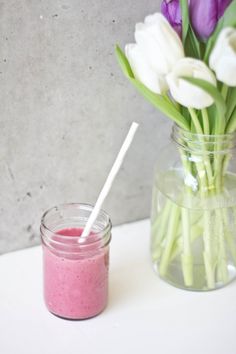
x: 144, y: 315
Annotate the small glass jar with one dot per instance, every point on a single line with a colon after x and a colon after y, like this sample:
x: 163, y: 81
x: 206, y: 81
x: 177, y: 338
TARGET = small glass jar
x: 75, y: 274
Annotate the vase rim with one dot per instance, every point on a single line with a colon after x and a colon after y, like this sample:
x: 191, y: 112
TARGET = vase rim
x: 176, y: 128
x: 199, y: 143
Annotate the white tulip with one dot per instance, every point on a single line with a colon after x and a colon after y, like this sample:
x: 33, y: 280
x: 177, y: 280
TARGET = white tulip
x: 156, y: 51
x: 186, y: 93
x: 143, y: 71
x: 223, y: 56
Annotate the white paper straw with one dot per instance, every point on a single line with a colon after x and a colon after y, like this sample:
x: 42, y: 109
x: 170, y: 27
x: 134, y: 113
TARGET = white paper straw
x: 107, y: 186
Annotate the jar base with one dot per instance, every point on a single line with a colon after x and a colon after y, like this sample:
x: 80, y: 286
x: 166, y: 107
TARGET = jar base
x: 78, y: 319
x: 174, y: 277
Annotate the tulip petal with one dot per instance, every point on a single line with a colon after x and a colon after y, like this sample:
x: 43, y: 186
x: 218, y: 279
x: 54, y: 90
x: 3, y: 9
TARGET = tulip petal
x: 217, y: 97
x: 149, y: 45
x: 160, y: 42
x: 172, y: 12
x: 225, y: 68
x: 223, y: 57
x: 143, y: 71
x: 203, y: 16
x: 186, y: 93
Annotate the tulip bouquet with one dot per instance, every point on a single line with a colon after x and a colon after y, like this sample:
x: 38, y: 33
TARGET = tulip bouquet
x: 184, y: 63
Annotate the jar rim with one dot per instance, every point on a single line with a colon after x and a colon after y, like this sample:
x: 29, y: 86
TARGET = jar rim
x: 177, y: 128
x: 92, y: 239
x: 203, y: 143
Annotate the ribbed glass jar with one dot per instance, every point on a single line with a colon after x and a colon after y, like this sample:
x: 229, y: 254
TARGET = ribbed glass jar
x: 75, y: 273
x: 193, y: 218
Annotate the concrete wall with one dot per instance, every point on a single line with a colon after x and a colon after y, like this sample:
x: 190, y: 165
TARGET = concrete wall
x: 65, y: 108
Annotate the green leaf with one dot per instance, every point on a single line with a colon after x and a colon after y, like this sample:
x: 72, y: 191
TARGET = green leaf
x: 185, y: 19
x: 217, y: 97
x: 231, y: 102
x: 123, y: 62
x: 185, y: 113
x: 212, y: 113
x: 192, y: 46
x: 189, y: 39
x: 164, y: 105
x: 231, y: 126
x: 227, y: 20
x: 211, y: 90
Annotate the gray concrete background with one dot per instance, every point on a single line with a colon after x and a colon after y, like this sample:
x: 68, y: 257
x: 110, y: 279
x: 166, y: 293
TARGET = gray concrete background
x: 65, y: 110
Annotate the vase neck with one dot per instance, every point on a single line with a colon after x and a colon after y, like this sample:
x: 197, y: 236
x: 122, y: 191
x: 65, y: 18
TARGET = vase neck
x: 198, y: 143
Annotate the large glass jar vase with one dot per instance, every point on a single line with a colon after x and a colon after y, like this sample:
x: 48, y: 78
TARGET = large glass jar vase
x: 193, y: 219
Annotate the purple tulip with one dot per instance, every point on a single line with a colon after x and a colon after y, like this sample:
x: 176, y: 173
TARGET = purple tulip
x: 204, y: 15
x: 171, y: 10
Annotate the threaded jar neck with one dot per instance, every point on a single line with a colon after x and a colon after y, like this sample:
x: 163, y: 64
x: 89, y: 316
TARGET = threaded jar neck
x: 197, y: 143
x: 74, y: 216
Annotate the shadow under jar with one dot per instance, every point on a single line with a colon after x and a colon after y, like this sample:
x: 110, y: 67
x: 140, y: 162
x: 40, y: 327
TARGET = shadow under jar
x: 75, y: 273
x: 193, y: 219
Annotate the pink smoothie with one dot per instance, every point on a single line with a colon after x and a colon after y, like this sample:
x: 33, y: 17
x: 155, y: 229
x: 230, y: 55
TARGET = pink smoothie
x: 75, y: 284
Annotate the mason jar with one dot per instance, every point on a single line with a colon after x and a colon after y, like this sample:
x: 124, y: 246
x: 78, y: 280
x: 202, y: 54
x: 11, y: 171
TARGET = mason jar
x: 75, y: 273
x: 193, y: 218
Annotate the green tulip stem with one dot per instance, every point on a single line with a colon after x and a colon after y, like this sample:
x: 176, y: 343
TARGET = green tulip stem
x: 224, y: 91
x: 207, y: 253
x: 170, y: 238
x: 231, y: 125
x: 206, y: 180
x: 196, y: 232
x: 195, y: 120
x: 186, y: 257
x: 205, y: 156
x: 159, y: 226
x: 222, y: 256
x: 205, y: 118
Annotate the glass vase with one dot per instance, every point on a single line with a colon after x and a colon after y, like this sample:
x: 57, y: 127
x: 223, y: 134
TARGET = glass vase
x: 193, y: 218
